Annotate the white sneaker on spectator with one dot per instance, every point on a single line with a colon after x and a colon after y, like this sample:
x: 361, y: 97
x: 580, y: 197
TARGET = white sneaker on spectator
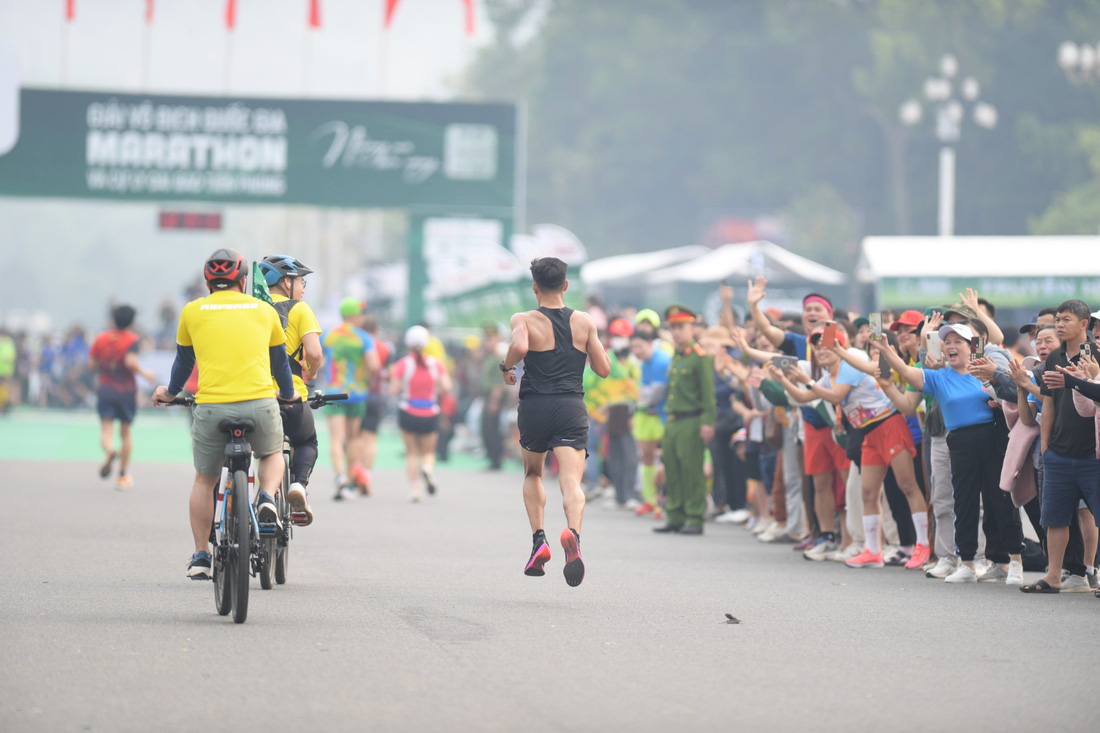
x: 774, y: 530
x: 1075, y: 584
x: 726, y: 517
x: 739, y: 516
x: 962, y: 574
x: 944, y: 566
x: 848, y: 552
x: 1015, y: 574
x: 762, y: 527
x: 632, y: 504
x: 823, y: 550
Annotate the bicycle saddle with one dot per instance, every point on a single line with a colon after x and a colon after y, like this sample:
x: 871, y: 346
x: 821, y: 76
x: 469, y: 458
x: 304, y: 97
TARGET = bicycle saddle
x: 232, y: 425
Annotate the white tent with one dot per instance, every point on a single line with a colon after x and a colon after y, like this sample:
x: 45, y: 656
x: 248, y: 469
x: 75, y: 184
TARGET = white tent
x: 627, y: 269
x: 978, y: 257
x: 1015, y: 272
x: 737, y: 262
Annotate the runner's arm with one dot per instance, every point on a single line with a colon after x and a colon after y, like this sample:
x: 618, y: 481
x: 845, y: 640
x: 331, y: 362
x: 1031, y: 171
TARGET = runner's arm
x: 131, y: 363
x: 597, y: 356
x: 517, y: 350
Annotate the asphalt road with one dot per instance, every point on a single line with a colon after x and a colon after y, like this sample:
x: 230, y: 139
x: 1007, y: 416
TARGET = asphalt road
x: 417, y: 617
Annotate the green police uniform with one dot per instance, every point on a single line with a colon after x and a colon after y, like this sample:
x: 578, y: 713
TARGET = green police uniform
x: 691, y: 404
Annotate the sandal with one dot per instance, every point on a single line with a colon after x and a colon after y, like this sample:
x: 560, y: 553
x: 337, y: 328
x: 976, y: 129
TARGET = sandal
x: 1040, y: 586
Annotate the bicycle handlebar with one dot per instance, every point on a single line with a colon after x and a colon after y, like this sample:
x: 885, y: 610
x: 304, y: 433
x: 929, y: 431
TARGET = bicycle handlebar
x: 317, y: 400
x: 320, y: 400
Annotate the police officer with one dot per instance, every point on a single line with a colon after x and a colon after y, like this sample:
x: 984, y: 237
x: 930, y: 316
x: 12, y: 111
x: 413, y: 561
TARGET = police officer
x: 691, y: 410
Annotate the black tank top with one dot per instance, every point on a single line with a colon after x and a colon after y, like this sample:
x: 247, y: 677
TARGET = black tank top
x: 559, y: 370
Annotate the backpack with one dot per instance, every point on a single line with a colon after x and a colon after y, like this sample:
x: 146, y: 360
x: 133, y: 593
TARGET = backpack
x: 283, y: 308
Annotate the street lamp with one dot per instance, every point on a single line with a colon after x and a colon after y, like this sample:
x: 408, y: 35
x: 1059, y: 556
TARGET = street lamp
x: 950, y: 113
x: 1080, y: 63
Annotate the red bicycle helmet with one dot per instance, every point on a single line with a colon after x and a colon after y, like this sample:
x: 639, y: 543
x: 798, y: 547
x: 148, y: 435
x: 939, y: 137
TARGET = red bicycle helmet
x: 224, y: 267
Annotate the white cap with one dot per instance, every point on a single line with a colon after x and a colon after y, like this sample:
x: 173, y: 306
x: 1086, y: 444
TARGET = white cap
x: 416, y: 337
x: 960, y: 328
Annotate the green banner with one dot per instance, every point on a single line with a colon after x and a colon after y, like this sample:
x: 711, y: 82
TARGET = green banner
x: 263, y: 151
x: 1033, y: 292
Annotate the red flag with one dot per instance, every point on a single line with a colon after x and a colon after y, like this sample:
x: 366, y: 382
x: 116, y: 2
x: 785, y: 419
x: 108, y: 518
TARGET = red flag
x: 469, y: 17
x: 70, y: 9
x: 149, y: 11
x: 230, y: 14
x: 314, y: 13
x: 391, y: 8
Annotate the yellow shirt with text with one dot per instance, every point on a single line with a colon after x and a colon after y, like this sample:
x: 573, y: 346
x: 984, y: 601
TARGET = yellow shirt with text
x: 231, y: 333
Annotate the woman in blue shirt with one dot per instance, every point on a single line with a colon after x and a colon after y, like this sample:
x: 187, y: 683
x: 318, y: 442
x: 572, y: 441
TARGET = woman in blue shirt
x: 976, y: 455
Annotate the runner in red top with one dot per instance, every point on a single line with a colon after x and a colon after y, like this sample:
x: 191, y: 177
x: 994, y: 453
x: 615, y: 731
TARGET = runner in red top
x: 114, y: 354
x: 418, y: 380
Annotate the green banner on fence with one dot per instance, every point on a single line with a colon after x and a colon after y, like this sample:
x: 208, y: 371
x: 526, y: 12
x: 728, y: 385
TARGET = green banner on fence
x: 1035, y: 292
x: 263, y: 151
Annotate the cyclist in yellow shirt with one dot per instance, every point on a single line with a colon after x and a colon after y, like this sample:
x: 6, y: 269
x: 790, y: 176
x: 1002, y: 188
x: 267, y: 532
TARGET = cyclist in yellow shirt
x: 286, y: 278
x: 238, y: 343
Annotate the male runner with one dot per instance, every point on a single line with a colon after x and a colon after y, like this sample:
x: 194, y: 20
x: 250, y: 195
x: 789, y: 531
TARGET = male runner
x: 352, y: 360
x: 114, y: 355
x: 286, y: 277
x: 553, y: 342
x: 238, y: 344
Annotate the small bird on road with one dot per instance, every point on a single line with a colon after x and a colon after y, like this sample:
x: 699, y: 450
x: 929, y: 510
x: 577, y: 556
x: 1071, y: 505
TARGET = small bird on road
x: 731, y: 619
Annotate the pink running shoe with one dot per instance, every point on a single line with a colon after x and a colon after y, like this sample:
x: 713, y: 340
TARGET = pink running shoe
x: 574, y: 565
x: 919, y: 558
x: 539, y: 556
x: 866, y: 559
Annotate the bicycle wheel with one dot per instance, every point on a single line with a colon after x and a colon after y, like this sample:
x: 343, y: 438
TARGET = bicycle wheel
x: 281, y: 558
x: 240, y: 547
x: 222, y: 595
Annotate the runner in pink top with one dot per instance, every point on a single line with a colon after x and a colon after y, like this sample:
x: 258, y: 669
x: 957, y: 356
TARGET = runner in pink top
x: 418, y: 380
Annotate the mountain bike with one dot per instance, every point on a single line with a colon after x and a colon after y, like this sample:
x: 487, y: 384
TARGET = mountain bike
x: 236, y: 535
x: 275, y: 549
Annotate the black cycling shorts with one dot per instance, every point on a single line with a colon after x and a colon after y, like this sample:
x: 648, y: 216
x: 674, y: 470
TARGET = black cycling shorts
x: 373, y: 416
x: 550, y: 421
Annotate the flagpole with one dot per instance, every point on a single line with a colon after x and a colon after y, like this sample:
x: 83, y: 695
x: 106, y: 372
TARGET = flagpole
x: 65, y: 52
x: 145, y: 44
x: 228, y: 62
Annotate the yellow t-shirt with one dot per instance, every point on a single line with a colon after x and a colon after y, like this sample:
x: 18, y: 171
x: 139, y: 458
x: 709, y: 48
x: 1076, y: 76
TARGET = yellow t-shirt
x: 231, y: 333
x: 300, y: 321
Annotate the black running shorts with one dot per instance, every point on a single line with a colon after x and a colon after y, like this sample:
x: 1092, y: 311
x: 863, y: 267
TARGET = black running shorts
x: 550, y: 421
x: 373, y: 417
x: 417, y: 425
x: 116, y: 404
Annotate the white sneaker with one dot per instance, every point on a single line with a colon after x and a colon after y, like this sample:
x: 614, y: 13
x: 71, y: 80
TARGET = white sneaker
x: 762, y: 527
x: 944, y: 566
x: 962, y: 574
x: 769, y: 534
x: 740, y: 516
x: 823, y: 550
x: 632, y: 504
x: 1075, y: 584
x: 299, y: 504
x: 848, y: 552
x: 1015, y: 574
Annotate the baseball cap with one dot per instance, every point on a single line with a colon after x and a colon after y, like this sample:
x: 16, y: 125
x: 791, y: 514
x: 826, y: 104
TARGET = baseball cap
x: 908, y: 318
x: 620, y: 327
x: 648, y: 315
x: 1032, y: 325
x: 416, y: 337
x: 960, y: 328
x: 350, y: 307
x: 963, y: 310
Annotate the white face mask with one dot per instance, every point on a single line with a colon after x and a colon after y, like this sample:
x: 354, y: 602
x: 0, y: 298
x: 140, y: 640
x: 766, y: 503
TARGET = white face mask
x: 620, y: 343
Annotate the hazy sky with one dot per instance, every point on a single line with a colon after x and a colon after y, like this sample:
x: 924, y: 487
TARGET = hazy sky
x: 272, y: 51
x: 76, y: 255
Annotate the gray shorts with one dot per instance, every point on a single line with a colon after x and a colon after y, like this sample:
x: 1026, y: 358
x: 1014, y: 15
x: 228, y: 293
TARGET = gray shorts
x: 208, y: 445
